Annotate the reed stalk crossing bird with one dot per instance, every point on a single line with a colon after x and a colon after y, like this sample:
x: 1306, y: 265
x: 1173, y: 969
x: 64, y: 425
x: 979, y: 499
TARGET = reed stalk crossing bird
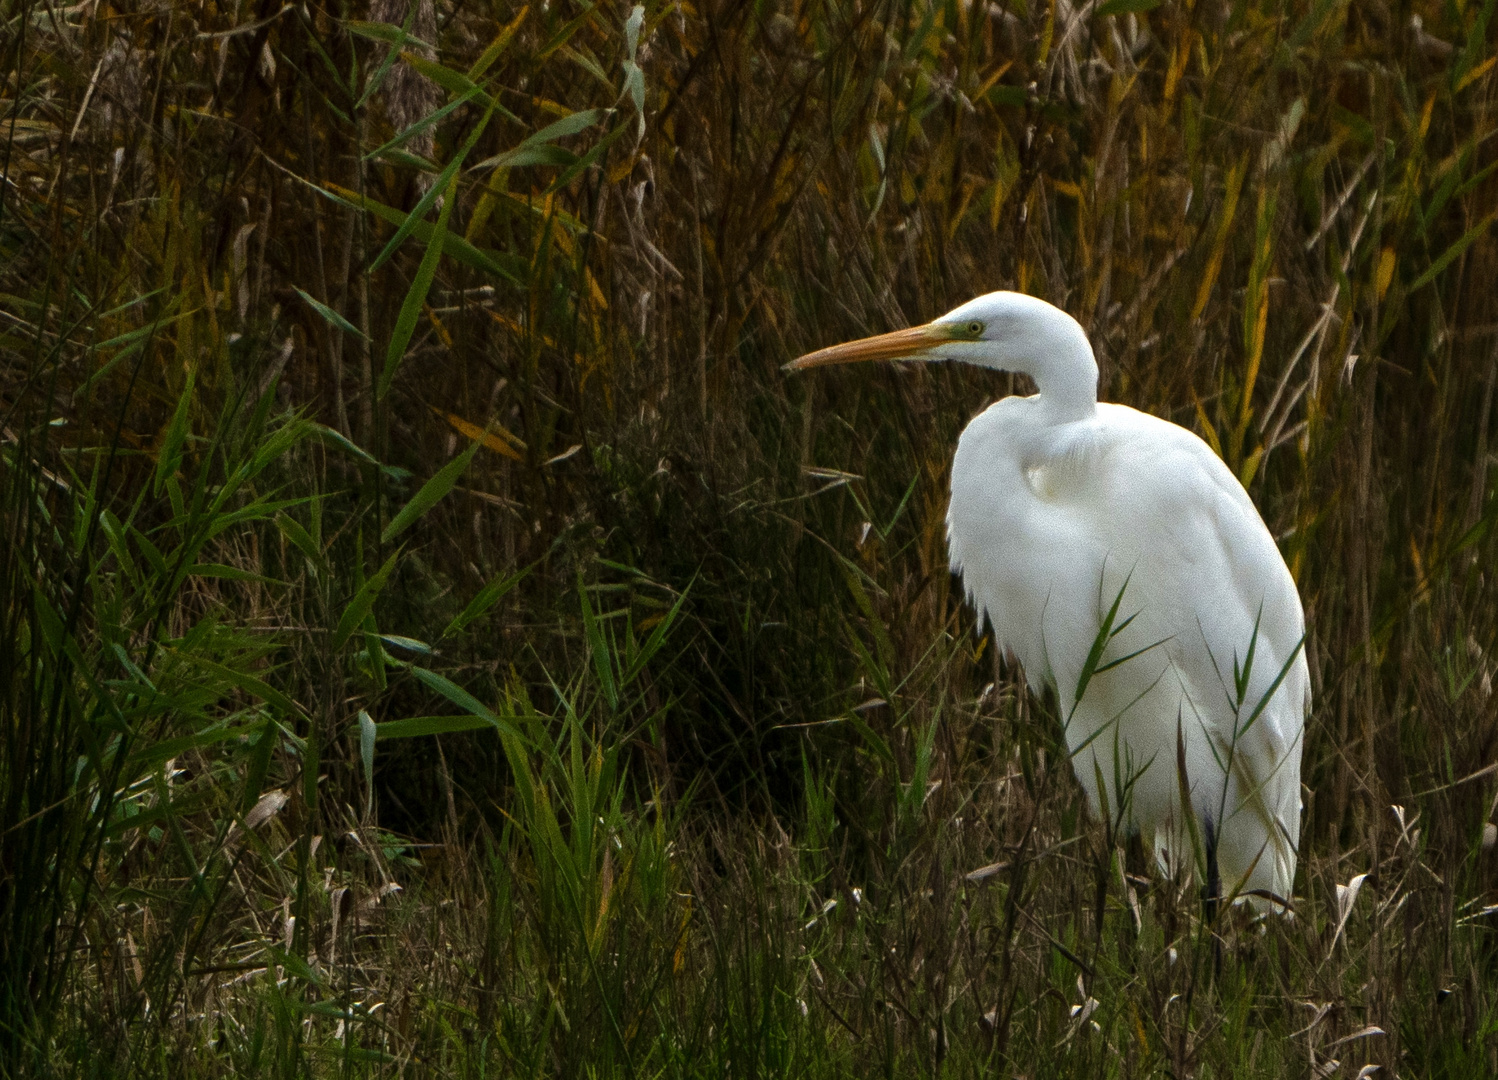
x: 1123, y: 564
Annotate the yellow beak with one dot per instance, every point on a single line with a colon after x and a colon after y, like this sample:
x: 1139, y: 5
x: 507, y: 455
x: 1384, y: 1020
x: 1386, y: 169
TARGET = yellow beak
x: 897, y: 345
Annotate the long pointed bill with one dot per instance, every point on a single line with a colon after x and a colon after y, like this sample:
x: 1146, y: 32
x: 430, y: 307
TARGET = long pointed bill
x: 901, y: 344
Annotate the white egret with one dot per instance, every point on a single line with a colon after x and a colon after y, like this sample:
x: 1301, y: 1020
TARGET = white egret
x: 1076, y: 524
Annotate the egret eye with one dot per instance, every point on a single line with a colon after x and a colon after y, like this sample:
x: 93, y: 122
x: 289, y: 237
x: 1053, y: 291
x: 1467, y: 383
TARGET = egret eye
x: 975, y: 328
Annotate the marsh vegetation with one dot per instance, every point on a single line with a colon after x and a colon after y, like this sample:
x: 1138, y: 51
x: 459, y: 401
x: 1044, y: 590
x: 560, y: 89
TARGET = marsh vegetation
x: 436, y: 639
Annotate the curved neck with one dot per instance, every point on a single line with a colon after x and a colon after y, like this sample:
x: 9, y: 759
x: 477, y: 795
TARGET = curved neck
x: 1059, y: 358
x: 1025, y: 334
x: 1067, y: 381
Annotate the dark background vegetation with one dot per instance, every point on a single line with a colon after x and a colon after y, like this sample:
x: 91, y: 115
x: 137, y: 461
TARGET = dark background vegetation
x: 439, y: 640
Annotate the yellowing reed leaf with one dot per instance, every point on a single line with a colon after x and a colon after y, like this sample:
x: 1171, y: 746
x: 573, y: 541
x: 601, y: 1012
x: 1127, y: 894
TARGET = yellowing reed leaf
x: 1180, y: 56
x: 969, y: 188
x: 490, y: 437
x: 1232, y: 185
x: 1385, y: 273
x: 1209, y: 432
x: 996, y: 203
x: 988, y: 83
x: 1255, y: 356
x: 622, y: 168
x: 498, y: 45
x: 1476, y: 73
x: 596, y: 292
x: 1250, y: 467
x: 1256, y: 310
x: 442, y: 334
x: 1046, y: 34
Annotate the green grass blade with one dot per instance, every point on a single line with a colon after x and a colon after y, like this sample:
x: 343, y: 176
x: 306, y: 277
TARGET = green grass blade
x: 416, y: 295
x: 249, y: 684
x: 363, y: 602
x: 1450, y: 254
x: 169, y: 457
x: 464, y: 700
x: 1100, y: 641
x: 445, y: 185
x: 430, y: 494
x: 525, y: 153
x: 418, y: 726
x: 329, y: 315
x: 367, y: 735
x: 484, y: 600
x: 599, y: 647
x: 453, y: 245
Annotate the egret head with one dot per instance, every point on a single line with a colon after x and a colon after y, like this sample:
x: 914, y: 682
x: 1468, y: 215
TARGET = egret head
x: 1007, y: 331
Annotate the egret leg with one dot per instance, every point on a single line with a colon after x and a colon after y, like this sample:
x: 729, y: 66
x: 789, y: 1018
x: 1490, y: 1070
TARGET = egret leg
x: 1136, y: 858
x: 1212, y: 892
x: 1136, y: 868
x: 1212, y: 887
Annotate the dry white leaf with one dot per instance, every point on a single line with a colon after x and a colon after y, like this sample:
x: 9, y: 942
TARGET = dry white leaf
x: 1371, y: 1029
x: 1347, y: 895
x: 265, y: 808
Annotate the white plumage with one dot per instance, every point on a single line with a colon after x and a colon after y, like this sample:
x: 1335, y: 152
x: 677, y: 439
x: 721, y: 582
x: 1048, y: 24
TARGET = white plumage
x: 1061, y: 507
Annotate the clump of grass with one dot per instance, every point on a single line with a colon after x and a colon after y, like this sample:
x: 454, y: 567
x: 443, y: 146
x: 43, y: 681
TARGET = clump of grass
x: 438, y: 639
